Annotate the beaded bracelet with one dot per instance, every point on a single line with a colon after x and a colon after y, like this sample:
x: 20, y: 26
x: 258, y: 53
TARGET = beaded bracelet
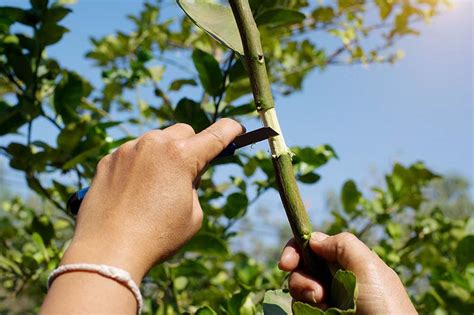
x: 117, y: 274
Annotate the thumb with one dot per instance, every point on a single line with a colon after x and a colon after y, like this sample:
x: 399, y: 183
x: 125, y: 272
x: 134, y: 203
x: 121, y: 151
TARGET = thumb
x: 344, y: 248
x: 207, y: 144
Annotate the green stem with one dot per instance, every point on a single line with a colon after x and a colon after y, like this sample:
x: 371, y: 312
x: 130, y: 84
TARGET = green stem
x: 281, y: 155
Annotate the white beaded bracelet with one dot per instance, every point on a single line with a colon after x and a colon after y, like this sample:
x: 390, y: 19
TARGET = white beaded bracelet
x: 117, y: 274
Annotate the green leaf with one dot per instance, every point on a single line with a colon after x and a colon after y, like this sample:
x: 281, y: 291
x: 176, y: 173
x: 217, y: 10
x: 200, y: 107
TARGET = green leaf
x: 469, y: 275
x: 38, y: 240
x: 277, y: 302
x: 236, y: 205
x: 309, y: 178
x: 306, y: 309
x: 209, y: 72
x: 39, y: 4
x: 237, y: 89
x: 465, y: 251
x: 206, y: 310
x: 323, y: 14
x: 10, y: 118
x: 189, y: 112
x: 216, y: 20
x: 344, y: 290
x: 237, y: 72
x: 56, y: 14
x: 70, y: 137
x: 176, y: 85
x: 68, y: 95
x: 208, y: 244
x: 315, y: 157
x: 350, y: 196
x: 10, y: 265
x: 241, y: 304
x: 12, y: 14
x: 43, y: 226
x: 395, y: 230
x: 51, y: 33
x: 191, y: 268
x: 21, y: 156
x: 279, y: 17
x: 234, y: 111
x: 81, y: 157
x: 250, y: 167
x: 385, y: 8
x: 21, y: 65
x: 343, y: 295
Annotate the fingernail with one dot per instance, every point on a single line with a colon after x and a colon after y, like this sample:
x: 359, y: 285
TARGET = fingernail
x: 309, y: 296
x: 318, y: 236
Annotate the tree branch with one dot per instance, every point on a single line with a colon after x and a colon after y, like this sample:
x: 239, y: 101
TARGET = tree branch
x: 177, y: 65
x: 224, y: 80
x: 105, y: 114
x: 13, y: 80
x: 281, y: 156
x: 52, y: 120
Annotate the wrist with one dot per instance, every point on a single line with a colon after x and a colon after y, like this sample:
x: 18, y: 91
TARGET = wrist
x: 96, y: 253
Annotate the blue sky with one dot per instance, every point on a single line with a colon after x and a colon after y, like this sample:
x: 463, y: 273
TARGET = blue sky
x: 419, y: 109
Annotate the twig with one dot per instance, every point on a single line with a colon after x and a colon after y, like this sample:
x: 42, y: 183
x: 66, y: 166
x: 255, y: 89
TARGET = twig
x: 13, y: 80
x: 79, y: 178
x: 5, y: 151
x: 365, y: 229
x: 52, y: 120
x: 103, y: 113
x: 47, y: 195
x: 30, y: 127
x: 223, y: 89
x: 177, y: 65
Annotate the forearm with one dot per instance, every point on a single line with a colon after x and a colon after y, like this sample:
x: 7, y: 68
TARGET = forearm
x: 88, y: 293
x: 81, y: 292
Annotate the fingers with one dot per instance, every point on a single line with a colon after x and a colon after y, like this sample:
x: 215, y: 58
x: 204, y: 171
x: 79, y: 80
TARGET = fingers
x: 290, y: 257
x: 207, y: 144
x: 179, y: 131
x: 305, y: 289
x: 198, y: 214
x: 344, y: 248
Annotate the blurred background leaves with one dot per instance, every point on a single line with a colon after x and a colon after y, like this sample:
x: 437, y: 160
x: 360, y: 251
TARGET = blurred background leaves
x: 417, y: 221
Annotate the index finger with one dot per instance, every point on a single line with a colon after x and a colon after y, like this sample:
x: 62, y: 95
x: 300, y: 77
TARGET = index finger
x: 290, y: 257
x: 343, y: 248
x: 210, y: 142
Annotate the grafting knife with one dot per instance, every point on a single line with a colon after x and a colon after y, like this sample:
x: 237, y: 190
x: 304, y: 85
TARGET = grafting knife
x: 74, y: 202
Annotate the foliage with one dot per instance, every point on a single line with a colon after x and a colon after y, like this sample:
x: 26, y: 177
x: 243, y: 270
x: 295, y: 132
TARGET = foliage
x: 343, y: 289
x: 86, y: 122
x: 428, y: 245
x: 32, y: 242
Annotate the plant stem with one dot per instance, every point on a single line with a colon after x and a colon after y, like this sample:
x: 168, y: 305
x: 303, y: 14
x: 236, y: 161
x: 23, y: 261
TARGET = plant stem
x: 218, y: 101
x: 281, y: 155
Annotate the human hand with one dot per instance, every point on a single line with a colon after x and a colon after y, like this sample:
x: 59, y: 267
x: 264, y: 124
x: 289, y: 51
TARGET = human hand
x: 142, y: 205
x: 380, y: 288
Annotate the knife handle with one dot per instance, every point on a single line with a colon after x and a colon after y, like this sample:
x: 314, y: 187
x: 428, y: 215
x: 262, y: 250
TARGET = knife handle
x: 228, y: 151
x: 74, y: 202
